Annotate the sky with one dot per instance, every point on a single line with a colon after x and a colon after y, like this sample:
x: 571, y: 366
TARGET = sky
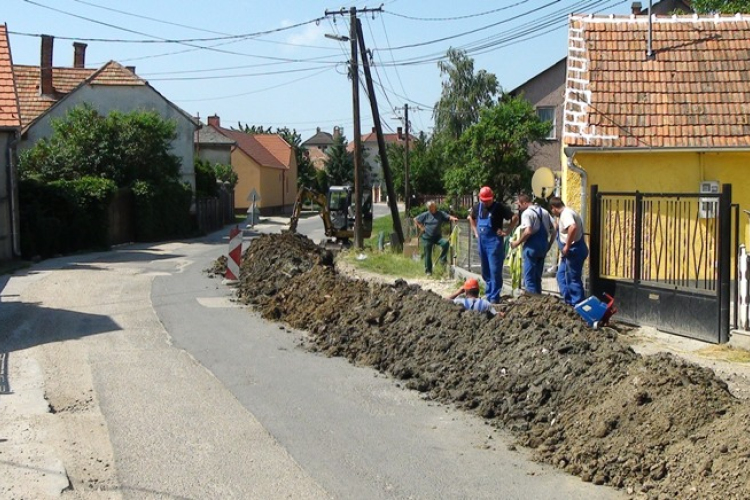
x: 270, y: 63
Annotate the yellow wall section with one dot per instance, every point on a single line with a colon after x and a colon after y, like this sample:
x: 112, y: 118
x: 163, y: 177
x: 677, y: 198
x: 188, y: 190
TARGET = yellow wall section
x: 661, y: 172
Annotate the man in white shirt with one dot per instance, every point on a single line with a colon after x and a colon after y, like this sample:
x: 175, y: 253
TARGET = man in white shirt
x: 573, y: 251
x: 537, y: 237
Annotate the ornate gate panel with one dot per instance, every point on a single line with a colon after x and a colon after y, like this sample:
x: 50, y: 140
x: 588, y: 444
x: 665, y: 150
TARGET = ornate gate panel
x: 666, y: 258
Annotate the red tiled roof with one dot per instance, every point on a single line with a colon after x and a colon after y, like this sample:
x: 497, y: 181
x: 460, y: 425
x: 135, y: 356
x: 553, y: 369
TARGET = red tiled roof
x: 254, y: 145
x: 372, y: 138
x: 9, y: 113
x: 694, y: 93
x: 277, y: 146
x: 64, y: 80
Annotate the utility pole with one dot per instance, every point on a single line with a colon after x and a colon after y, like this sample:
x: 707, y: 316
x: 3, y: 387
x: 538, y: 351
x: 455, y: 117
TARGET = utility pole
x: 392, y: 199
x: 407, y: 193
x: 358, y: 243
x: 354, y: 73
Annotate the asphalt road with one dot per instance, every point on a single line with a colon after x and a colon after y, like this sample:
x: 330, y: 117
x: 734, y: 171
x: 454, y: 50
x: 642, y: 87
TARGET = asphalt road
x: 354, y: 431
x: 165, y: 388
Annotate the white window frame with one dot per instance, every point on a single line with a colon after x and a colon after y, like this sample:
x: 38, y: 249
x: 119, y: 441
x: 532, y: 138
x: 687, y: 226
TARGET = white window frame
x: 552, y: 133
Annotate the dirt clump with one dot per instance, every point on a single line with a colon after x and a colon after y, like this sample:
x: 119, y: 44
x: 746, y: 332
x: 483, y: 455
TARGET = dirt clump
x: 582, y: 399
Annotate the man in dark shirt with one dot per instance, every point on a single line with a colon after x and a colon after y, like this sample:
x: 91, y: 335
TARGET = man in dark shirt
x: 486, y: 221
x: 430, y: 223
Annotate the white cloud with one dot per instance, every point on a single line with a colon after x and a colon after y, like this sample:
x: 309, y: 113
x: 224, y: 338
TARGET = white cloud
x: 311, y: 34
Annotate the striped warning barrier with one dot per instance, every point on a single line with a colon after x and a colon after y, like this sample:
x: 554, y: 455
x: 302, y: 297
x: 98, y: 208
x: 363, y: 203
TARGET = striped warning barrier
x: 235, y: 252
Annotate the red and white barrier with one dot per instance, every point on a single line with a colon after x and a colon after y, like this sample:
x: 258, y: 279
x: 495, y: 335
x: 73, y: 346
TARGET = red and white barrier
x: 235, y: 253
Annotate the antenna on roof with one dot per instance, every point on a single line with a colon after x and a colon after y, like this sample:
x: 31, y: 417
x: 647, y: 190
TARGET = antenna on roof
x: 649, y: 50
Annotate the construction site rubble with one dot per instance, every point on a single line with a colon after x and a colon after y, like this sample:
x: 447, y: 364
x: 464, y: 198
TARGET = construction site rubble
x: 653, y: 426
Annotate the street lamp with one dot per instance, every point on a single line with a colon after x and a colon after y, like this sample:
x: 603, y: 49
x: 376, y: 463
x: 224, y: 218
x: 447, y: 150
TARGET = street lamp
x: 337, y: 37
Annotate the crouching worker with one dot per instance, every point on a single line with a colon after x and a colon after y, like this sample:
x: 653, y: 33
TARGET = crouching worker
x: 471, y: 300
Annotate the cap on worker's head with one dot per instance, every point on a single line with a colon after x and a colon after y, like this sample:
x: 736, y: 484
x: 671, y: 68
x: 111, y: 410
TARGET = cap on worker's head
x: 471, y: 284
x: 486, y: 194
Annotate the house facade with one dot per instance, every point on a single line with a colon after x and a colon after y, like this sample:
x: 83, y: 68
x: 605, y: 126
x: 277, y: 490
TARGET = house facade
x: 265, y: 164
x: 212, y: 146
x: 10, y: 127
x: 371, y: 159
x: 668, y: 122
x: 546, y: 93
x: 47, y: 93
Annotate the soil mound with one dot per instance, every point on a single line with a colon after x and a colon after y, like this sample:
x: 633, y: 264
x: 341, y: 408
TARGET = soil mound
x: 656, y: 426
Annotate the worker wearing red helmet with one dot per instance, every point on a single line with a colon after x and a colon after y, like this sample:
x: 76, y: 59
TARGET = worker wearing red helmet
x: 471, y: 300
x: 486, y: 221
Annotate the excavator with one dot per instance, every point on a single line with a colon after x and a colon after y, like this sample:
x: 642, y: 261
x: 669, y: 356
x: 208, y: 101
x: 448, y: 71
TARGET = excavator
x: 337, y: 210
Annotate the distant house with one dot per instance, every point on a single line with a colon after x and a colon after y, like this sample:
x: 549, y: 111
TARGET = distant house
x: 371, y: 158
x: 213, y: 146
x: 265, y: 164
x: 46, y: 93
x: 10, y: 128
x: 317, y: 145
x: 546, y: 92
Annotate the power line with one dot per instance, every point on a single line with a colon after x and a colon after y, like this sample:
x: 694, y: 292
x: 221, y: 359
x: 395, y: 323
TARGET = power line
x: 256, y: 91
x: 156, y: 39
x: 456, y: 18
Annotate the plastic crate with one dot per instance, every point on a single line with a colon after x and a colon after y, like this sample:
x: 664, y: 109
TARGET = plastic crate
x: 592, y: 310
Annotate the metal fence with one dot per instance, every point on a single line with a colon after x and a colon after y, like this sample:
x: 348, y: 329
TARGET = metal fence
x: 465, y: 257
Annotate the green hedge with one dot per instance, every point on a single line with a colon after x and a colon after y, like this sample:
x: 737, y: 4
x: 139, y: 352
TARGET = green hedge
x: 162, y: 211
x: 62, y: 217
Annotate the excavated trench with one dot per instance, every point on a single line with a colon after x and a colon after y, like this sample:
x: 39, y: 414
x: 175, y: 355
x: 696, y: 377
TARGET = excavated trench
x: 581, y: 399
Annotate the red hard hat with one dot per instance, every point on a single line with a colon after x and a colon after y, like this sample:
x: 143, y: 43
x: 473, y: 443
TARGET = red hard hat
x: 471, y: 284
x: 486, y: 194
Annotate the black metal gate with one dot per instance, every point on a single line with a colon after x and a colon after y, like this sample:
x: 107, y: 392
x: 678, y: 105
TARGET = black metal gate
x: 666, y: 258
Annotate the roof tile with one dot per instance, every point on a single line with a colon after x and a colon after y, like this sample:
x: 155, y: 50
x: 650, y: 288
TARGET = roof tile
x: 9, y: 112
x: 689, y: 95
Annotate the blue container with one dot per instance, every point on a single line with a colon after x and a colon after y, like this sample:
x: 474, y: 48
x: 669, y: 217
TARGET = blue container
x: 591, y: 310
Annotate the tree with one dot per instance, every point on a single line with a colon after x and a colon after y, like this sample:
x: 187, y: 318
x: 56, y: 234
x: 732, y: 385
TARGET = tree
x: 339, y: 166
x: 123, y: 147
x: 464, y: 94
x: 494, y: 151
x: 721, y: 6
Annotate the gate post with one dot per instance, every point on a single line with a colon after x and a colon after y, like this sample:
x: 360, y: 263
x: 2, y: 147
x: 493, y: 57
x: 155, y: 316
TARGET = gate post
x: 595, y: 241
x: 638, y: 237
x: 725, y: 259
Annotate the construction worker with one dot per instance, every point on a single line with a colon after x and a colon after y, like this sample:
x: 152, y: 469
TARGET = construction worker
x: 471, y: 300
x: 538, y: 234
x: 486, y: 221
x: 573, y: 251
x: 430, y: 223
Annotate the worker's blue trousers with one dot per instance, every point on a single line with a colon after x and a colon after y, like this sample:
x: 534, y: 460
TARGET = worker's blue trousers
x: 570, y: 272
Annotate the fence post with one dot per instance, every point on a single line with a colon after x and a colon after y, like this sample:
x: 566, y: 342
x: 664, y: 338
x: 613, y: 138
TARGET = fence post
x: 725, y: 259
x: 595, y: 241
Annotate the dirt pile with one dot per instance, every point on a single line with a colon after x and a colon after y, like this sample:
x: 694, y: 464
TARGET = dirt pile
x: 582, y: 399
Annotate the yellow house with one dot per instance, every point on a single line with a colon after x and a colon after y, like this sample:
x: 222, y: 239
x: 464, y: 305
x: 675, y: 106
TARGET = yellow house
x: 665, y: 122
x: 659, y: 105
x: 265, y: 165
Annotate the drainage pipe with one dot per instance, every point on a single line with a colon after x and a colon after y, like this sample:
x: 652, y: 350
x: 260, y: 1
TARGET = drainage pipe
x: 570, y: 154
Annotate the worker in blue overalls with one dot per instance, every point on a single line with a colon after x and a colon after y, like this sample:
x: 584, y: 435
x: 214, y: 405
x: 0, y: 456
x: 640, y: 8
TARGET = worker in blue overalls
x: 537, y: 238
x: 573, y: 251
x: 486, y: 221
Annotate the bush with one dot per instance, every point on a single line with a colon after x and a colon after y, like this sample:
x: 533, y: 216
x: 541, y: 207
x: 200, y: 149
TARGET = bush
x: 64, y: 216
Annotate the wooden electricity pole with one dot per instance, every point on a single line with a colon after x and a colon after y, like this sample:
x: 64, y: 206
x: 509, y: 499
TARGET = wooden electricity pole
x: 358, y: 243
x: 392, y: 199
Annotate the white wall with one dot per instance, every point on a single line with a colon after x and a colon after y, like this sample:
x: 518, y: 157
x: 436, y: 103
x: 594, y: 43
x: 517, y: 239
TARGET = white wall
x: 106, y: 98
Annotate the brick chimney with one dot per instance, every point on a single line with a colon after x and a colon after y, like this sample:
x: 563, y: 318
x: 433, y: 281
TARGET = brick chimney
x: 636, y: 8
x: 79, y: 55
x: 131, y: 69
x: 336, y: 132
x: 400, y: 132
x: 45, y: 66
x: 214, y: 121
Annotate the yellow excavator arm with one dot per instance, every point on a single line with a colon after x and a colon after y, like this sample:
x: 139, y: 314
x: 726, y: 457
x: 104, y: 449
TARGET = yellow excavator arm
x: 305, y: 194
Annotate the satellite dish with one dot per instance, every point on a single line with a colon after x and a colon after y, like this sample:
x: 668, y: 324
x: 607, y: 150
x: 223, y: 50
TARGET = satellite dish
x: 543, y: 183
